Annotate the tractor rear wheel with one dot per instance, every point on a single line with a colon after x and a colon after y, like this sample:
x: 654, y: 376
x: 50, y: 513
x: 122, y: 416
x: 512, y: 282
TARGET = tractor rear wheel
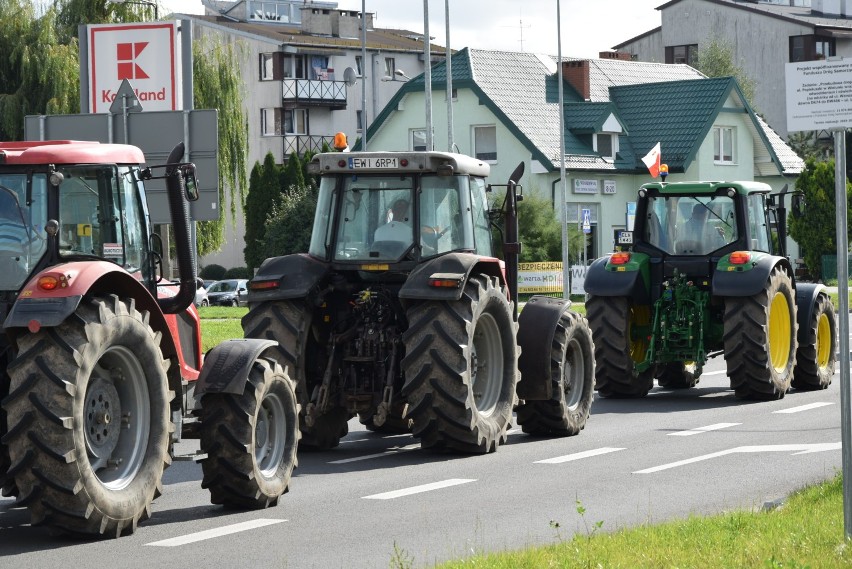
x: 760, y: 339
x: 572, y: 373
x: 461, y: 367
x: 7, y: 482
x: 817, y: 356
x: 250, y: 439
x: 678, y: 375
x: 89, y: 419
x: 288, y: 322
x: 620, y: 330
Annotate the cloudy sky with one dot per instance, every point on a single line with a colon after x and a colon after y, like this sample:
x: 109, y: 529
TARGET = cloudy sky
x: 588, y: 26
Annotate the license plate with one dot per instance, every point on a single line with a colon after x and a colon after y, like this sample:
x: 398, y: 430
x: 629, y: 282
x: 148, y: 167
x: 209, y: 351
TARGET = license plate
x: 374, y: 162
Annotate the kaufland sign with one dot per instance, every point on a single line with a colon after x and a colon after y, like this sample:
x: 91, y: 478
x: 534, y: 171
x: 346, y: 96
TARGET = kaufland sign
x: 146, y: 54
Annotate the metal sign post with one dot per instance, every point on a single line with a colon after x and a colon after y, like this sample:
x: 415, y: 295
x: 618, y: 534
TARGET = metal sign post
x: 818, y: 100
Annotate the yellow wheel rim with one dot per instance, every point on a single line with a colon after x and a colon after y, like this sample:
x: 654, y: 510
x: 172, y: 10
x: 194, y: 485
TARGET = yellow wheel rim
x: 823, y: 341
x: 780, y: 337
x: 639, y: 316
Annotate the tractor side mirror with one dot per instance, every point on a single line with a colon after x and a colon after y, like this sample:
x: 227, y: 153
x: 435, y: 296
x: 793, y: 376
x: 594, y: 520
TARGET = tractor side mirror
x: 797, y: 205
x: 190, y: 181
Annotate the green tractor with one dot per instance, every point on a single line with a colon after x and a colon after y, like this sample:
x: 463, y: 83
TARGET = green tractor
x: 705, y: 273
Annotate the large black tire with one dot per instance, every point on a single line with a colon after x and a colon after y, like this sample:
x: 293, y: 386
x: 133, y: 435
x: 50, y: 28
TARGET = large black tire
x: 572, y: 377
x: 250, y: 439
x: 618, y: 346
x: 461, y: 369
x: 816, y: 358
x: 7, y: 482
x: 760, y: 340
x: 288, y: 322
x: 678, y: 375
x: 89, y: 420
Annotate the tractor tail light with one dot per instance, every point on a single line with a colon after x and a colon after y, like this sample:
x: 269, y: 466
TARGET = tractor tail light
x: 619, y: 258
x: 264, y: 285
x: 740, y: 257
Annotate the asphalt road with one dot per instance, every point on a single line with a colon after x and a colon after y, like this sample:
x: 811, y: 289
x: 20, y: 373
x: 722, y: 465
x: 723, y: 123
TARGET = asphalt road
x: 379, y: 501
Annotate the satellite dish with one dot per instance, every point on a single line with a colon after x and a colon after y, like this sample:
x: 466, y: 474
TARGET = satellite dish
x: 349, y: 76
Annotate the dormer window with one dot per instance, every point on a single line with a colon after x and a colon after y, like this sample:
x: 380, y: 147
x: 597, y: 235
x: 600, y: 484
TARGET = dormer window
x: 606, y: 144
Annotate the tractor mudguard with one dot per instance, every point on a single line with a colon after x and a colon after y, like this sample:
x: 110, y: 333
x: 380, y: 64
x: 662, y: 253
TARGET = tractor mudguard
x: 746, y: 280
x: 452, y: 266
x: 806, y: 295
x: 50, y: 308
x: 227, y: 366
x: 536, y: 328
x: 630, y: 283
x: 282, y: 278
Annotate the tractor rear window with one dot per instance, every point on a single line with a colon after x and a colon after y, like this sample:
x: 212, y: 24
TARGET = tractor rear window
x: 690, y: 225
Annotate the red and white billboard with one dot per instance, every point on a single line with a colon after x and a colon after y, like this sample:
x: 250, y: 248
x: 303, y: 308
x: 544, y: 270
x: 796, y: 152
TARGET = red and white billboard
x: 146, y: 54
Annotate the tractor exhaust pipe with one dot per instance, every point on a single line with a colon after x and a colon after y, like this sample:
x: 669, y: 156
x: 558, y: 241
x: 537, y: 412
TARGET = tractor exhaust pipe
x: 511, y: 246
x: 179, y: 208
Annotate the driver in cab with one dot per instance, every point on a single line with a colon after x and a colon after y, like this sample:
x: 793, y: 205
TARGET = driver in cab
x: 397, y: 227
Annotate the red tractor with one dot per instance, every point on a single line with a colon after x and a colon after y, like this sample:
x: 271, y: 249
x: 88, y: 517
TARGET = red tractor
x: 101, y: 356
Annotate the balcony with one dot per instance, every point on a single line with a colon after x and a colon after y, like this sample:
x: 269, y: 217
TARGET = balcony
x: 301, y: 143
x: 314, y: 92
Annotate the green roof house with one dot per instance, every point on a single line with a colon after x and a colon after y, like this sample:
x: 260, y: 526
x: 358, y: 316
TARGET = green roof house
x: 505, y: 109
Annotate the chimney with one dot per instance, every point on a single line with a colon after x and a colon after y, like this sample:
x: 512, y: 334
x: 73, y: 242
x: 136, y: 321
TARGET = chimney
x: 826, y: 7
x: 577, y: 74
x: 619, y: 55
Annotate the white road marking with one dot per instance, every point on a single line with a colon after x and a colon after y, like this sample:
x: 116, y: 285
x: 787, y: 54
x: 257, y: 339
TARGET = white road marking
x: 514, y: 431
x: 706, y: 373
x: 706, y: 429
x: 794, y: 449
x: 394, y: 450
x: 353, y: 441
x: 578, y: 455
x: 216, y: 532
x: 807, y: 407
x: 419, y: 489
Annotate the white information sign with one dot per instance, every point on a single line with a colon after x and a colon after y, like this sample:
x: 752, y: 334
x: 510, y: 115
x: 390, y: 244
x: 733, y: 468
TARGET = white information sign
x: 585, y: 186
x: 819, y: 94
x: 609, y: 187
x: 145, y: 54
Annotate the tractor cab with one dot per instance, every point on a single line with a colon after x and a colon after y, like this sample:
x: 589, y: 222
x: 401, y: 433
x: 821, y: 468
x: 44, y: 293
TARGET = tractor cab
x: 398, y: 207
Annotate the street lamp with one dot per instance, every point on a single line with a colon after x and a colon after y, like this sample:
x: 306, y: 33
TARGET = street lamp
x: 399, y: 72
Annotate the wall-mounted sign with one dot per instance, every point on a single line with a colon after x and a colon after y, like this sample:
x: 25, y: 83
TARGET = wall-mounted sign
x: 145, y: 54
x: 609, y: 187
x: 585, y: 186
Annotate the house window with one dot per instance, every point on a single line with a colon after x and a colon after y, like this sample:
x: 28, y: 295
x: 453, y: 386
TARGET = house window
x: 390, y: 67
x: 359, y: 120
x: 293, y: 67
x: 270, y: 121
x: 295, y: 121
x: 681, y: 53
x: 606, y: 145
x: 418, y: 139
x: 267, y: 66
x: 358, y: 65
x: 811, y: 48
x: 485, y: 143
x: 723, y: 145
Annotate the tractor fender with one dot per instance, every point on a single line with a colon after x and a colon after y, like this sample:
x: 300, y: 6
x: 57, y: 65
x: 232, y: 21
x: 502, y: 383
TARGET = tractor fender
x: 227, y: 366
x: 629, y: 283
x: 282, y: 278
x: 749, y: 281
x: 806, y: 295
x: 536, y: 328
x: 453, y: 266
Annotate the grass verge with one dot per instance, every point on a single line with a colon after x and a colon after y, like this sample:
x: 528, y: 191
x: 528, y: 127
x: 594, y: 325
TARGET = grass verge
x: 806, y: 531
x: 220, y: 323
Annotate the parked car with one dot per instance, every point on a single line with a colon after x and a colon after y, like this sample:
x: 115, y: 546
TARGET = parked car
x: 201, y: 293
x: 229, y: 292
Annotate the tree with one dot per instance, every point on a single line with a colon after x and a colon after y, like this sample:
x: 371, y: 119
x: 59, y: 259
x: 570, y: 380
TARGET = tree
x: 717, y: 60
x: 218, y: 85
x: 815, y: 231
x: 289, y: 224
x: 264, y: 195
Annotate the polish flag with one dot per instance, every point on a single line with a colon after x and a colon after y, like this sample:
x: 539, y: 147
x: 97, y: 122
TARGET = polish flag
x: 652, y: 161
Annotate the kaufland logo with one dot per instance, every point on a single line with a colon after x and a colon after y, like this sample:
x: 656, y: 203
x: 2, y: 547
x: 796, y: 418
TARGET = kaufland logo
x: 142, y: 54
x: 127, y: 54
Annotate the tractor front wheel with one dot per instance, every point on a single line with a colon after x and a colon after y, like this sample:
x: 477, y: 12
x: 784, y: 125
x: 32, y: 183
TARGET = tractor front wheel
x: 817, y: 356
x: 572, y: 376
x: 250, y: 439
x: 461, y: 367
x: 620, y: 330
x: 760, y: 339
x: 89, y: 423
